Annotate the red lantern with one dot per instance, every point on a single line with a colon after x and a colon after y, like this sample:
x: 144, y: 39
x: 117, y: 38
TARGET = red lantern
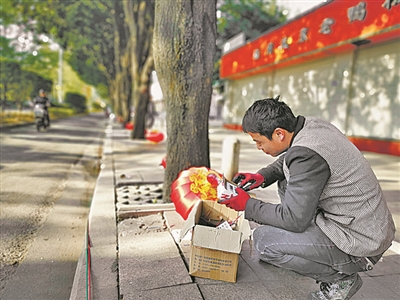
x: 129, y: 126
x: 155, y: 136
x: 190, y: 186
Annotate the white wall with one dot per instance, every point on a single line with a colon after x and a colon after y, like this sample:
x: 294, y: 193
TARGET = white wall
x: 375, y: 93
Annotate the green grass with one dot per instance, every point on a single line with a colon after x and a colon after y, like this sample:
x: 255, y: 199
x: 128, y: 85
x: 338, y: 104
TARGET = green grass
x: 19, y: 117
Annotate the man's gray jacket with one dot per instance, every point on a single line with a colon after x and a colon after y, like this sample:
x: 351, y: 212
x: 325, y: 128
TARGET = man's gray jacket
x: 325, y: 179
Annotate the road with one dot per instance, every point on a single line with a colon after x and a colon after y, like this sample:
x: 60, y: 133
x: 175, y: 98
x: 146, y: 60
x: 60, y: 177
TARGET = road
x: 47, y: 180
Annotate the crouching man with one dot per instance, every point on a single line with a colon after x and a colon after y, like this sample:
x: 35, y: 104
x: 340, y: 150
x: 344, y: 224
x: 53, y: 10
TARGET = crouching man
x: 333, y: 221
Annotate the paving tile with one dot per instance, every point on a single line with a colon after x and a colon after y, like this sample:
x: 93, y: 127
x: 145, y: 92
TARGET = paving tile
x: 373, y: 289
x: 148, y: 256
x: 180, y: 292
x: 236, y: 291
x: 392, y: 283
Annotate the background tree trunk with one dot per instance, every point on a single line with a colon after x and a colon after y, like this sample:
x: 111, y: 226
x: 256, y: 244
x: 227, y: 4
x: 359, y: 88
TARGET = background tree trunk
x: 122, y: 63
x: 184, y: 48
x: 139, y: 17
x: 144, y: 98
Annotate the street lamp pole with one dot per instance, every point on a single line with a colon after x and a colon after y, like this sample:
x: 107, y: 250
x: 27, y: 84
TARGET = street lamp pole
x: 60, y: 79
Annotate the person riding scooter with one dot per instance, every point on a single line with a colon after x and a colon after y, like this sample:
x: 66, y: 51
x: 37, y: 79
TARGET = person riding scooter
x: 44, y: 101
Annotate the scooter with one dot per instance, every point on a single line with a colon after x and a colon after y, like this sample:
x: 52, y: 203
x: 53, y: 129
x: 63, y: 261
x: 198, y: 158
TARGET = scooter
x: 40, y: 116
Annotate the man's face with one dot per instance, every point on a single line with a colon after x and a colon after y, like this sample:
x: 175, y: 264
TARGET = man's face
x: 272, y: 147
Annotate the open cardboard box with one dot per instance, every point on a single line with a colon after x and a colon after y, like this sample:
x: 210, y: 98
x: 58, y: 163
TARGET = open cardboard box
x: 214, y: 253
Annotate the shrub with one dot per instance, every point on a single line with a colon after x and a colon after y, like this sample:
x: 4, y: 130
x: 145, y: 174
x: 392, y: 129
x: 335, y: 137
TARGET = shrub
x: 76, y: 101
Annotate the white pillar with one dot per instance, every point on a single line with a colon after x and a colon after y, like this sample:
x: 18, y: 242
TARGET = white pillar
x: 230, y: 157
x: 60, y: 74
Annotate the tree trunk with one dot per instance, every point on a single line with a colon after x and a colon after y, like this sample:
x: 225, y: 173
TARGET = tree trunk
x: 125, y: 92
x: 144, y: 98
x: 140, y: 115
x: 4, y: 102
x: 122, y: 48
x: 184, y: 48
x: 113, y: 97
x: 139, y: 17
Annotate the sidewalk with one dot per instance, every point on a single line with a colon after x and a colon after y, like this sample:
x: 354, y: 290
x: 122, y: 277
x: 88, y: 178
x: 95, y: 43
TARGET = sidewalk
x: 135, y: 249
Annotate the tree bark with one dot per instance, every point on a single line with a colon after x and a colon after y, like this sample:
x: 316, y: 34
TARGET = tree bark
x: 122, y: 90
x: 139, y: 17
x: 144, y: 99
x: 184, y: 48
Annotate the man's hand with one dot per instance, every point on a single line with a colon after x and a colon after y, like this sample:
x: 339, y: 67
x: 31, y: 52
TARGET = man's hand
x: 248, y: 181
x: 237, y: 202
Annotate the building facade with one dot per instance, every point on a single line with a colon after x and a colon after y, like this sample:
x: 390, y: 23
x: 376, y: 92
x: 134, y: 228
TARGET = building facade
x: 340, y: 61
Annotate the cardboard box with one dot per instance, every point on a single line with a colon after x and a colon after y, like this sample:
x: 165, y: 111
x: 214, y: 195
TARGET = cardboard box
x: 214, y: 253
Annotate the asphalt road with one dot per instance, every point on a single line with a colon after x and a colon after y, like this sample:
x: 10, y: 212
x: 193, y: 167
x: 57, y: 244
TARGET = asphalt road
x: 46, y: 184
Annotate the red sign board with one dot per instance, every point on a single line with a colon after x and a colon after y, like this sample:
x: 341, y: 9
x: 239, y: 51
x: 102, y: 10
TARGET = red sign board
x: 334, y: 27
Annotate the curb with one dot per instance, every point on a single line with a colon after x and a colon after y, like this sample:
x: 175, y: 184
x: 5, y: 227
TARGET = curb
x: 101, y: 279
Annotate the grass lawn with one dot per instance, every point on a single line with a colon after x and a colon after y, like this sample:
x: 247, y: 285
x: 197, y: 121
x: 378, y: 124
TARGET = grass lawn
x: 18, y: 117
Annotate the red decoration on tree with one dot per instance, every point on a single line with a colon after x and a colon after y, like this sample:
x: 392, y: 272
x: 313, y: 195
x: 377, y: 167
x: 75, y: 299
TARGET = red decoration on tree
x: 129, y: 126
x: 154, y: 136
x: 163, y: 162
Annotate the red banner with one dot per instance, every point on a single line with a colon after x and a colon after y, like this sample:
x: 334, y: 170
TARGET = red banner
x: 334, y: 27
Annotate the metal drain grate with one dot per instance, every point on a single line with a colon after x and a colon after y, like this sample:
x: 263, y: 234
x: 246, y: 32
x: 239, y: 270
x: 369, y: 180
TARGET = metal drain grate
x: 135, y: 200
x: 139, y: 194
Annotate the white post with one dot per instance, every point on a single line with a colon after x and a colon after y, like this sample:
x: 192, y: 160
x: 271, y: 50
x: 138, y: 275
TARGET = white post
x: 60, y: 73
x: 230, y: 157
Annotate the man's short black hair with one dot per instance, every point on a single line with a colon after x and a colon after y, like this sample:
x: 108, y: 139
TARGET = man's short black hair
x: 265, y: 115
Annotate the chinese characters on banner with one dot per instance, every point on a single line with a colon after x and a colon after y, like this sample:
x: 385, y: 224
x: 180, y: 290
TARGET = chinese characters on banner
x: 331, y: 24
